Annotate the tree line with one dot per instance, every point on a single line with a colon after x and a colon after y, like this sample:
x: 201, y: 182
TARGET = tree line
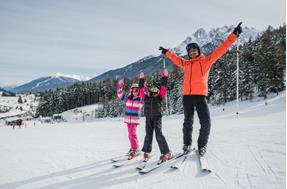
x: 262, y: 69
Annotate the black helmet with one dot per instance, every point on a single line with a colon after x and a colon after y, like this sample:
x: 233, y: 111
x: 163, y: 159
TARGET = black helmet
x: 192, y: 46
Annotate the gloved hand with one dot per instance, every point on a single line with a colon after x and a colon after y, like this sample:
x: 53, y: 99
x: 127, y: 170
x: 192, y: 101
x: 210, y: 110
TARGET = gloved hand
x: 121, y: 82
x: 163, y: 50
x: 238, y: 30
x: 164, y: 73
x: 142, y: 75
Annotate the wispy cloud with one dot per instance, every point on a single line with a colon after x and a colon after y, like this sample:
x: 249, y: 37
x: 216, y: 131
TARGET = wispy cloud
x: 94, y: 36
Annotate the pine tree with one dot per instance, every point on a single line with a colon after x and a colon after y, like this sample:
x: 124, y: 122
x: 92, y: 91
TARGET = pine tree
x: 20, y: 100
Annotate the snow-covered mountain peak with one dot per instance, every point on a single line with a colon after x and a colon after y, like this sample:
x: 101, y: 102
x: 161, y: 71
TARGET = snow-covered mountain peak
x: 73, y: 76
x: 214, y: 36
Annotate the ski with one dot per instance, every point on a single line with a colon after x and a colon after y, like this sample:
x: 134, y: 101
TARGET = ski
x: 203, y: 163
x: 150, y: 167
x: 180, y: 162
x: 119, y: 158
x: 124, y: 161
x: 142, y: 165
x: 154, y: 165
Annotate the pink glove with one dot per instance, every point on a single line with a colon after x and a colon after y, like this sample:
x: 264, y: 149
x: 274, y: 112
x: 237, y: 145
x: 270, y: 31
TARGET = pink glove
x: 121, y: 83
x: 164, y: 73
x: 142, y: 76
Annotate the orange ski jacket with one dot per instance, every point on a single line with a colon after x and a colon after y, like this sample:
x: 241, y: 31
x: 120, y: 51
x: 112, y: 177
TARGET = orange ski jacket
x: 196, y: 70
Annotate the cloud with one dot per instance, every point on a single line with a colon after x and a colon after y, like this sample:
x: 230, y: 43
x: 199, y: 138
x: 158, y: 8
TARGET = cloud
x: 95, y: 36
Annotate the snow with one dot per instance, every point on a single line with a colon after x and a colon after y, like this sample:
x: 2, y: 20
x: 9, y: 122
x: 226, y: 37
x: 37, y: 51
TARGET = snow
x: 202, y: 37
x: 12, y: 102
x: 244, y: 151
x: 42, y: 83
x: 86, y: 113
x: 74, y: 76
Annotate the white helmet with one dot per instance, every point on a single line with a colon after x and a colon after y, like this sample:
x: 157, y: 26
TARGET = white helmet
x: 135, y: 85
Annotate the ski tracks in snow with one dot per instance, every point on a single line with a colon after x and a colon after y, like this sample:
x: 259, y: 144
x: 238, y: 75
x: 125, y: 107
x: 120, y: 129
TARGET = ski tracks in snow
x: 265, y: 167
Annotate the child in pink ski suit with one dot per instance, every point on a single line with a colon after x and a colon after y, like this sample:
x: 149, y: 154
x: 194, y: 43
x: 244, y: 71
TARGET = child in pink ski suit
x: 133, y: 105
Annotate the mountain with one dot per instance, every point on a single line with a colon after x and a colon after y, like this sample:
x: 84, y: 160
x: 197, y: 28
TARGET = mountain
x: 7, y: 88
x: 208, y: 41
x: 50, y: 82
x: 4, y: 92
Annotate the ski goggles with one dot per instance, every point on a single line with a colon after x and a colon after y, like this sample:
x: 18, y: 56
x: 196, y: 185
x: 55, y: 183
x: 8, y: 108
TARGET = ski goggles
x: 154, y: 90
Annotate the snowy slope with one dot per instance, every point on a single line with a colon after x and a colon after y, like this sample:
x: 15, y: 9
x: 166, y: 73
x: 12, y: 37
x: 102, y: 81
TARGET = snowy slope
x: 86, y: 113
x: 247, y: 151
x: 30, y: 102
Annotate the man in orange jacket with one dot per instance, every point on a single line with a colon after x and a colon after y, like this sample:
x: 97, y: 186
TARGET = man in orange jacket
x: 195, y: 87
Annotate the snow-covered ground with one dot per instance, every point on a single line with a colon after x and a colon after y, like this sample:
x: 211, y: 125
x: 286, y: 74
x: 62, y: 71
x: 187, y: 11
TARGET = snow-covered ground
x: 30, y: 102
x: 248, y: 151
x: 85, y: 113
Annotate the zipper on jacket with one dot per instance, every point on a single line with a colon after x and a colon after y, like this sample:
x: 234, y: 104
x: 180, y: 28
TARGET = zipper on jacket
x: 201, y: 68
x: 151, y: 107
x: 190, y: 79
x: 132, y: 107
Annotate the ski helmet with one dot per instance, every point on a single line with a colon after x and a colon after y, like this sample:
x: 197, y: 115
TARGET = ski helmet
x: 135, y: 85
x: 154, y: 90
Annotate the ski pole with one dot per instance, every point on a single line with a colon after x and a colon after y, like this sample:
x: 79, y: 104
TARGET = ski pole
x: 167, y: 111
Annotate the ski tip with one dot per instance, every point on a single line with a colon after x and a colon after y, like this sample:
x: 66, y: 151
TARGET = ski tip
x: 206, y: 170
x: 173, y: 167
x: 140, y: 168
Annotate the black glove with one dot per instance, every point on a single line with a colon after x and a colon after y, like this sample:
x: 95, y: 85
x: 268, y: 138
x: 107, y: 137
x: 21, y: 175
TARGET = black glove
x: 238, y: 30
x: 163, y: 50
x: 163, y: 81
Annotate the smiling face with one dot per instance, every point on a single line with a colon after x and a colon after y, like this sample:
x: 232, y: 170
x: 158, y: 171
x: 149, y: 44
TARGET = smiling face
x: 193, y: 53
x: 135, y: 91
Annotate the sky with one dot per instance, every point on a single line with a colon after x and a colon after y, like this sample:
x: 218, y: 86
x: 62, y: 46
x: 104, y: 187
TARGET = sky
x: 89, y: 37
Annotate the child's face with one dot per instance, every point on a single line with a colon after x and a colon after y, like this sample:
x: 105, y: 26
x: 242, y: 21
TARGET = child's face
x: 153, y: 93
x: 135, y: 91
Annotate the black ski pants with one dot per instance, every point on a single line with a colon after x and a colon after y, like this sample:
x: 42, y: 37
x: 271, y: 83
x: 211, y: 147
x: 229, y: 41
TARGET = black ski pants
x: 154, y: 124
x: 190, y: 103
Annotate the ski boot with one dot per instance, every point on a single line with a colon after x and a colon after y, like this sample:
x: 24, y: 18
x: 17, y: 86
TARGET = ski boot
x: 129, y: 152
x: 165, y: 157
x: 186, y: 148
x: 146, y: 157
x: 202, y: 150
x: 134, y: 153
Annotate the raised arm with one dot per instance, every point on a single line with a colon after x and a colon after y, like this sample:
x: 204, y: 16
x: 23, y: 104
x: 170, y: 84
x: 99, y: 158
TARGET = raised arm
x: 177, y: 60
x: 120, y: 92
x: 163, y: 83
x: 143, y: 88
x: 219, y: 51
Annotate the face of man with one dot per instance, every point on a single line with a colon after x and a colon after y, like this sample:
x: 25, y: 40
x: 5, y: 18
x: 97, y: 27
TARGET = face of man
x: 193, y: 53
